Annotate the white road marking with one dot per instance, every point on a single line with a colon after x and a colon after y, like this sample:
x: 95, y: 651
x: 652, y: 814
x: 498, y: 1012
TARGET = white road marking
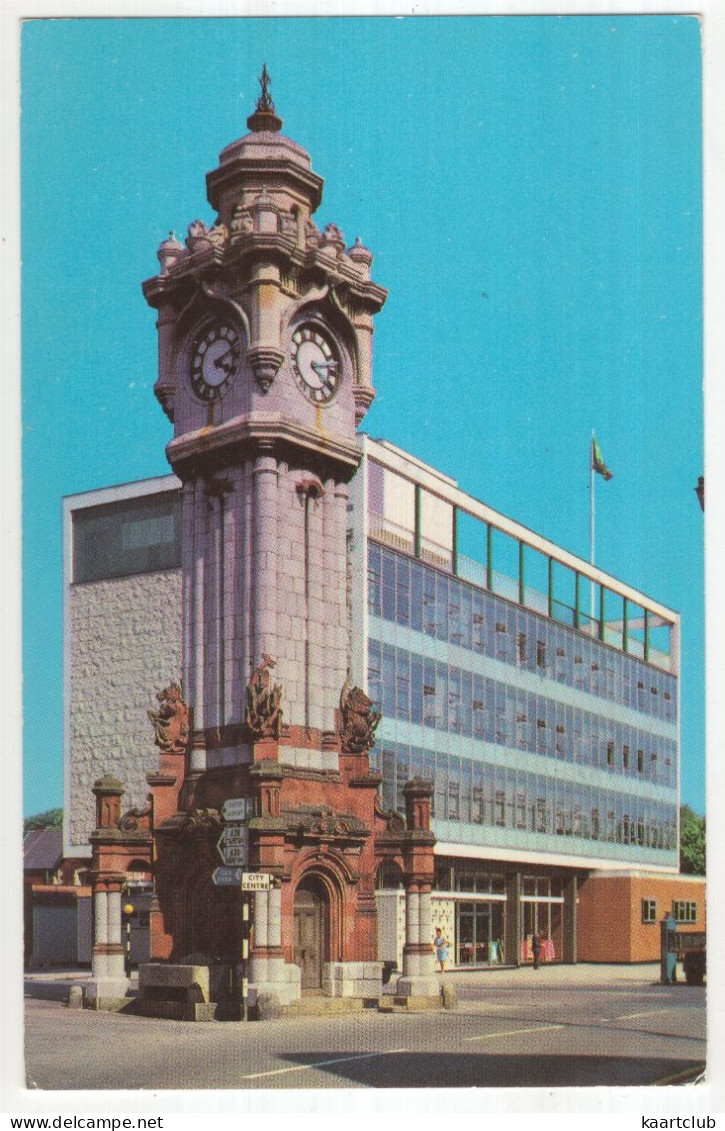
x: 320, y: 1064
x: 700, y: 1077
x: 514, y: 1033
x: 646, y: 1013
x: 579, y: 990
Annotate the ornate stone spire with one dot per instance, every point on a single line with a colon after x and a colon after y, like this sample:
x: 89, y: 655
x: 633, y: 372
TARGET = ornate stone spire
x: 264, y: 118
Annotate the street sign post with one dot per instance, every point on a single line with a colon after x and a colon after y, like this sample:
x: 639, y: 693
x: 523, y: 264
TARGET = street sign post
x: 227, y: 877
x: 233, y: 845
x: 234, y: 834
x: 237, y: 809
x: 234, y: 854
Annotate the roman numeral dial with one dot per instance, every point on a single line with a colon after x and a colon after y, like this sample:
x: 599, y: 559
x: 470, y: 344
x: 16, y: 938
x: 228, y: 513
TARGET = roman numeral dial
x: 214, y: 360
x: 315, y: 363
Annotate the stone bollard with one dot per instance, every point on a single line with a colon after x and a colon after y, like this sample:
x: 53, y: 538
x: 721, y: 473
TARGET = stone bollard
x: 75, y: 997
x: 449, y: 996
x: 269, y: 1007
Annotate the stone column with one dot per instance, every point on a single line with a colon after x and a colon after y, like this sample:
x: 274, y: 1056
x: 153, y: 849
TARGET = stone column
x: 265, y: 353
x: 116, y: 966
x: 317, y: 610
x: 258, y: 965
x: 274, y: 928
x: 245, y: 558
x: 419, y: 974
x: 197, y: 759
x: 270, y: 973
x: 334, y: 577
x: 99, y: 963
x: 230, y: 591
x: 187, y: 582
x: 427, y: 965
x: 214, y: 645
x: 108, y: 985
x: 264, y: 571
x: 412, y: 932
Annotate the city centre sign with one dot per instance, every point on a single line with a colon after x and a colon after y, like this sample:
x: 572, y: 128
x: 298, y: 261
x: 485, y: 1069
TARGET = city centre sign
x: 256, y: 881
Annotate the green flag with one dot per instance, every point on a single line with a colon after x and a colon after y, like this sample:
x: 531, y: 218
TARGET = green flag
x: 598, y: 463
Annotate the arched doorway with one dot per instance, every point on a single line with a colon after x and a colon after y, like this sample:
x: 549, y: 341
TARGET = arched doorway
x: 311, y: 932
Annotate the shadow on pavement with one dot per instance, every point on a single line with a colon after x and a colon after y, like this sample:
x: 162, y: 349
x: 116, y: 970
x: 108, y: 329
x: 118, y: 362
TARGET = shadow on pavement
x: 454, y: 1070
x: 47, y: 991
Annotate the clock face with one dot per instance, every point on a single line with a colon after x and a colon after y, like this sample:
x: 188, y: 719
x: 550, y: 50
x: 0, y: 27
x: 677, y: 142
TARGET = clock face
x: 214, y: 360
x: 315, y: 363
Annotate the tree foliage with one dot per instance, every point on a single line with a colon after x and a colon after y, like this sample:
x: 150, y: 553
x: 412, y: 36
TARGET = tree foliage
x: 692, y: 842
x: 51, y: 819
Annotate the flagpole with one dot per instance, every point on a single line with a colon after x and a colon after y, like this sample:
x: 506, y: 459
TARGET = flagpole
x: 591, y: 518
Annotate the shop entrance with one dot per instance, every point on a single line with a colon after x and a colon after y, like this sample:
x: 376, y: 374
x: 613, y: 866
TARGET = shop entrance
x: 310, y: 929
x: 480, y: 935
x: 544, y: 917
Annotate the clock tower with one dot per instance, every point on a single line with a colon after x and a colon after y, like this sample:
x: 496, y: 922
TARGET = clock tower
x: 265, y: 330
x: 265, y: 326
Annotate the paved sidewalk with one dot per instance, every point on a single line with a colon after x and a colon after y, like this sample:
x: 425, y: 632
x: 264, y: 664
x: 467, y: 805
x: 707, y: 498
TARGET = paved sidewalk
x: 583, y: 974
x: 53, y: 985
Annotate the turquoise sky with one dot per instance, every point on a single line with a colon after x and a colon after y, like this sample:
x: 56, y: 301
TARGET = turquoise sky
x: 531, y: 189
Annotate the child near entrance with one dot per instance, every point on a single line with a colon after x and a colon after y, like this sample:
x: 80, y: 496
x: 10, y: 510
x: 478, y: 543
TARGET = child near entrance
x: 442, y: 948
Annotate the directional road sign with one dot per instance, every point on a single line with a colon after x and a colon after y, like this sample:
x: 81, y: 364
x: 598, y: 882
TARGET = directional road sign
x: 234, y: 854
x: 234, y: 834
x: 233, y: 847
x: 256, y: 881
x: 227, y: 877
x: 237, y: 809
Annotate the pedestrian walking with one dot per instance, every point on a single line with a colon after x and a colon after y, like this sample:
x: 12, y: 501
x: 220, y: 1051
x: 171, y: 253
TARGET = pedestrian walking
x: 442, y: 948
x: 536, y: 948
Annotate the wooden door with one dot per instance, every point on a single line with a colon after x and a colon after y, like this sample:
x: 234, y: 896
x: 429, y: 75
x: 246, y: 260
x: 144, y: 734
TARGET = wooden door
x: 309, y: 936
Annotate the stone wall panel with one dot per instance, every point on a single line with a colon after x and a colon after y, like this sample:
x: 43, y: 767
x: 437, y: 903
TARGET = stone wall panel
x: 125, y: 639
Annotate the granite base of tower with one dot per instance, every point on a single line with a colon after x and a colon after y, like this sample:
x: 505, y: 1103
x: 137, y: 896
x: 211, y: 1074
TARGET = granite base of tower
x: 108, y: 994
x: 419, y: 987
x: 282, y: 980
x: 353, y: 979
x: 274, y: 976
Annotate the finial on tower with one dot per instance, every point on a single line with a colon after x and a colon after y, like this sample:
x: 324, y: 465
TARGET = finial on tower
x: 264, y: 118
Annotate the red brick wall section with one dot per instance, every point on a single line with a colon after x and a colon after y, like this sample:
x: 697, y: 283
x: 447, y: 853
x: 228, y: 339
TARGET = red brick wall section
x: 604, y: 920
x: 610, y: 915
x: 646, y: 936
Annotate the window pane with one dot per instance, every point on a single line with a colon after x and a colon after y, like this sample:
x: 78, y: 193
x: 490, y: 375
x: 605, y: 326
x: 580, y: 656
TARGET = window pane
x: 127, y: 537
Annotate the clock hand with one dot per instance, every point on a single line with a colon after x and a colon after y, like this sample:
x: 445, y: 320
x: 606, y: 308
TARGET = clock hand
x: 324, y: 369
x: 219, y: 362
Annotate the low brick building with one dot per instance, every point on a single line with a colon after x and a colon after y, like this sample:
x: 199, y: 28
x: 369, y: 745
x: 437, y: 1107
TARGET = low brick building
x: 620, y: 914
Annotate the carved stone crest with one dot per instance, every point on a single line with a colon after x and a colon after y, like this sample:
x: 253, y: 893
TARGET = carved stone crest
x: 263, y: 710
x: 171, y: 721
x: 242, y: 222
x: 288, y: 224
x: 332, y: 236
x: 330, y: 825
x: 312, y: 234
x: 199, y: 236
x: 359, y: 721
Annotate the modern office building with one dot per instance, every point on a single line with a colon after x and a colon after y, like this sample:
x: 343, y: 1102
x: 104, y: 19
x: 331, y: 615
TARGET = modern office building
x: 551, y: 736
x: 293, y: 581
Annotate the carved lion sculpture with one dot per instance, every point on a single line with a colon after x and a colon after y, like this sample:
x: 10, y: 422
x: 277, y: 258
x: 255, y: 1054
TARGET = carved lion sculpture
x: 359, y: 721
x: 263, y: 711
x: 171, y: 721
